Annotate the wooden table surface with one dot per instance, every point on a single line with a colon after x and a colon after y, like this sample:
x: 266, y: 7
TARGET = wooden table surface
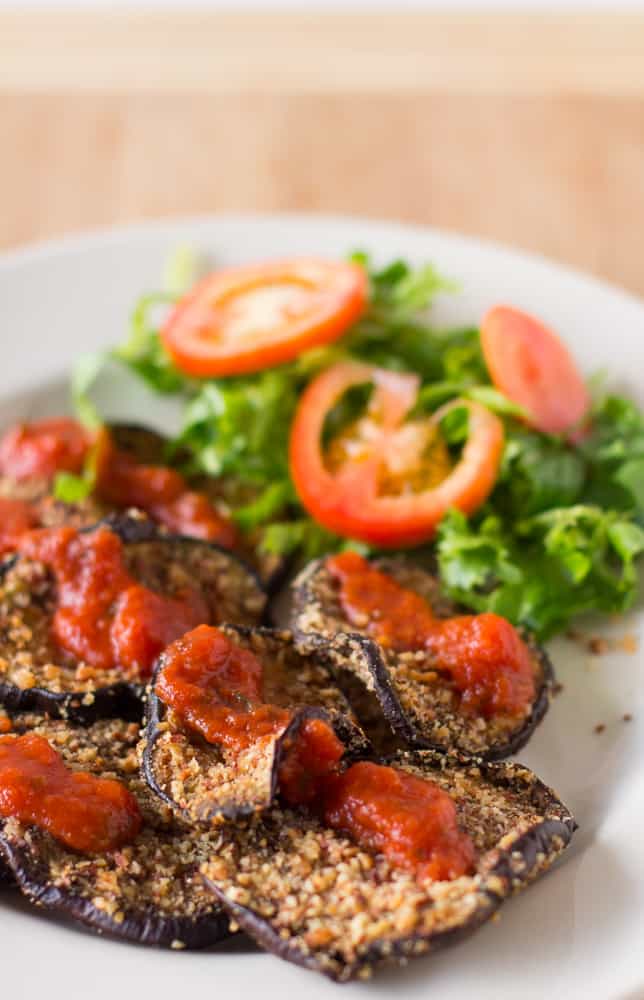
x: 524, y: 129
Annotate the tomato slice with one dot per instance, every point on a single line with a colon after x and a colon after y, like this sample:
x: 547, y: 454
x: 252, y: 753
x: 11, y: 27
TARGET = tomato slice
x: 532, y: 367
x: 367, y: 491
x: 248, y: 318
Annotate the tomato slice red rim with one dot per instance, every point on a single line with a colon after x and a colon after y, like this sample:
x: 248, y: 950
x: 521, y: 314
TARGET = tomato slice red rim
x: 347, y: 498
x: 530, y: 365
x: 244, y: 319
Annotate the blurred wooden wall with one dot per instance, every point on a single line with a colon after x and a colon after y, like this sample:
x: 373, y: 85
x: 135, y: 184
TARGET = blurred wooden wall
x: 527, y: 130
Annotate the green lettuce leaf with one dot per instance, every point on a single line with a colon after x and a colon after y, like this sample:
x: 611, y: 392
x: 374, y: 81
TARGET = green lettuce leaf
x: 545, y: 570
x: 70, y: 488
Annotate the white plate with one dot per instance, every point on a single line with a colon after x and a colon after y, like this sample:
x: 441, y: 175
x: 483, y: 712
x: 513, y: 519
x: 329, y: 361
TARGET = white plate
x: 578, y: 932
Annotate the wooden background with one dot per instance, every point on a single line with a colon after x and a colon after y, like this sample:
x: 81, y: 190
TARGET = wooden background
x: 524, y: 129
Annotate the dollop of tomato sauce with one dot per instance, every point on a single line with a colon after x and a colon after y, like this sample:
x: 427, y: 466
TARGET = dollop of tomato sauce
x: 103, y: 616
x: 86, y: 813
x: 485, y: 658
x: 160, y: 491
x: 488, y: 662
x: 16, y: 517
x: 43, y: 448
x: 215, y: 687
x: 410, y: 820
x: 394, y: 616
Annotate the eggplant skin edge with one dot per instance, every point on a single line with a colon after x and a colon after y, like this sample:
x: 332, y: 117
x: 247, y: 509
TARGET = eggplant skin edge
x: 356, y: 744
x: 7, y: 881
x: 529, y: 856
x: 123, y: 700
x: 116, y: 701
x: 261, y: 932
x: 304, y: 597
x: 395, y: 714
x: 149, y: 929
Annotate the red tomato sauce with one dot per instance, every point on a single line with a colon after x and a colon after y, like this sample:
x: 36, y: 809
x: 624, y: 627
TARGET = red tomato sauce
x: 162, y: 492
x: 488, y: 662
x: 311, y: 761
x: 16, y: 517
x: 392, y: 615
x: 86, y: 813
x: 410, y: 820
x: 216, y: 688
x: 103, y: 616
x: 485, y: 658
x: 43, y: 448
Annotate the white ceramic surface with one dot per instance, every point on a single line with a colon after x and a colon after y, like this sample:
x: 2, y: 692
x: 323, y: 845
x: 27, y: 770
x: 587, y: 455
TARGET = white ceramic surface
x: 578, y: 932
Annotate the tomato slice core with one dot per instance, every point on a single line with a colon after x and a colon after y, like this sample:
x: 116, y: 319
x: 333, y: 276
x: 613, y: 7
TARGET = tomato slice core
x: 249, y: 318
x: 348, y: 499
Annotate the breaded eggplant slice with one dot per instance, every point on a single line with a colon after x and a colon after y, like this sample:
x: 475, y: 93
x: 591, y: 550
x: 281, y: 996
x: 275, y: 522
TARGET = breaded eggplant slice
x: 150, y: 448
x: 6, y: 875
x: 206, y: 783
x: 50, y: 512
x: 226, y: 493
x: 313, y: 897
x: 420, y: 708
x: 148, y: 891
x: 34, y: 675
x: 145, y: 445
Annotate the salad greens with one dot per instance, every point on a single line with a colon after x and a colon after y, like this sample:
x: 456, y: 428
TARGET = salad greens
x: 558, y: 536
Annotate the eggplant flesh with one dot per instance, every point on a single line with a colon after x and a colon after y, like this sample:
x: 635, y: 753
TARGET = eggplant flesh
x: 313, y: 897
x: 148, y: 891
x: 206, y: 783
x: 420, y: 706
x: 33, y: 673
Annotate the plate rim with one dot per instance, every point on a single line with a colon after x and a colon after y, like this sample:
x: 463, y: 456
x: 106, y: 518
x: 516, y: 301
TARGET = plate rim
x: 137, y: 229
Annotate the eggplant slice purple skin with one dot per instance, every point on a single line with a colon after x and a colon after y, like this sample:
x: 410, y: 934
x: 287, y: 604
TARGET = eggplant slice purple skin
x: 315, y: 622
x: 7, y: 881
x: 250, y: 782
x: 60, y: 880
x: 123, y: 699
x: 277, y: 874
x: 142, y: 443
x: 146, y: 928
